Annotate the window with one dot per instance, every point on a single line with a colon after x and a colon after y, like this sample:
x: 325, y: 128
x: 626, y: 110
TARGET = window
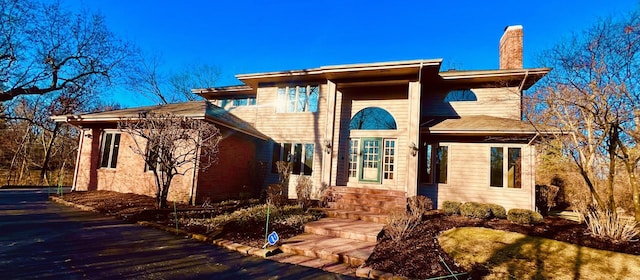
x: 299, y: 154
x: 298, y: 99
x: 354, y: 151
x: 460, y: 95
x: 152, y: 157
x: 389, y: 159
x: 372, y: 118
x: 229, y: 103
x: 110, y: 144
x: 442, y: 160
x: 513, y: 168
x: 434, y: 164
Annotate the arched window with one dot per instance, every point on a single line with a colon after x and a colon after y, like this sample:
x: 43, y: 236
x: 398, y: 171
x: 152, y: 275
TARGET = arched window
x: 373, y: 118
x: 460, y: 95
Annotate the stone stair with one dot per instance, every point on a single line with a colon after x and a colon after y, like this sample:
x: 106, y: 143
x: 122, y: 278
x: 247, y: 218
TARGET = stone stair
x: 348, y: 236
x: 335, y: 240
x: 365, y: 204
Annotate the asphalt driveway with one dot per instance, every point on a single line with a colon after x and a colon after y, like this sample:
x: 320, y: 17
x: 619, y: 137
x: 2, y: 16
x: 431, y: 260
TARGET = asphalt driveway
x: 40, y: 239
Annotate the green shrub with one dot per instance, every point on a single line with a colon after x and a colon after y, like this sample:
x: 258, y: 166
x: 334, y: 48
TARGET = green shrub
x: 451, y: 207
x: 475, y: 210
x: 497, y: 211
x: 524, y: 216
x: 419, y: 205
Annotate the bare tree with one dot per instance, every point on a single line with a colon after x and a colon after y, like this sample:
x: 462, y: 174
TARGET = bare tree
x: 163, y: 87
x: 46, y: 48
x: 593, y: 96
x: 171, y: 145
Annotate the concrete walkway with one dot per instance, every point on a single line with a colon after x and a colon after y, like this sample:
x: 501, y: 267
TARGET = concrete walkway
x: 41, y: 239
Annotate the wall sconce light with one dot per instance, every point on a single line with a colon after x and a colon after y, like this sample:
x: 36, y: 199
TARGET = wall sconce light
x: 89, y: 136
x: 327, y: 146
x: 414, y: 149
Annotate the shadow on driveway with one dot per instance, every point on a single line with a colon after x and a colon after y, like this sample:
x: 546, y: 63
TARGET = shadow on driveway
x: 41, y: 239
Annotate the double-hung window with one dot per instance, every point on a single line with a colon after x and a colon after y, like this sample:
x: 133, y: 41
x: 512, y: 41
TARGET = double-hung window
x: 509, y: 170
x: 298, y: 99
x: 110, y: 145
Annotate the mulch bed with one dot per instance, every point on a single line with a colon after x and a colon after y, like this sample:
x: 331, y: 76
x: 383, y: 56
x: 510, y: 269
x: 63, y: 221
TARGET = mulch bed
x: 418, y: 255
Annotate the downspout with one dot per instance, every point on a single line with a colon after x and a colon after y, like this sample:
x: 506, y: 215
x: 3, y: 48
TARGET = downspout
x: 75, y: 172
x: 196, y: 160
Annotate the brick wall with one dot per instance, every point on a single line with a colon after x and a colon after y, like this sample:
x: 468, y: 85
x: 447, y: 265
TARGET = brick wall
x: 511, y: 48
x: 234, y: 172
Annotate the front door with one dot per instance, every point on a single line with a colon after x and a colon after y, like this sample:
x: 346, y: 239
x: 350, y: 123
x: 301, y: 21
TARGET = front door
x: 371, y: 150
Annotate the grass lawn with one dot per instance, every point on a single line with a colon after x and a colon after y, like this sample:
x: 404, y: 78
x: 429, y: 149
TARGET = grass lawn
x: 507, y: 255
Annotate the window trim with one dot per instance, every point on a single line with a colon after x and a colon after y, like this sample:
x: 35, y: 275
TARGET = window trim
x: 287, y: 152
x: 433, y: 149
x: 284, y: 103
x: 113, y: 149
x: 505, y: 167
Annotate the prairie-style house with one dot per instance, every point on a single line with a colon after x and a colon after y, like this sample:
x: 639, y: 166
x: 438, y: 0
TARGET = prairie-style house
x: 405, y: 126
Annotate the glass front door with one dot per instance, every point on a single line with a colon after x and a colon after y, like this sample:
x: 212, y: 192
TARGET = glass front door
x: 371, y: 149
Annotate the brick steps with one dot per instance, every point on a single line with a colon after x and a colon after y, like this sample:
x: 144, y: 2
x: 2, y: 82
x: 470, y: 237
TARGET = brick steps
x: 356, y: 215
x: 333, y: 249
x: 345, y: 228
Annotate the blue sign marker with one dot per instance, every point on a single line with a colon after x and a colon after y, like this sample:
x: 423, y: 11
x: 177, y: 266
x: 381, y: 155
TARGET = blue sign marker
x: 273, y: 238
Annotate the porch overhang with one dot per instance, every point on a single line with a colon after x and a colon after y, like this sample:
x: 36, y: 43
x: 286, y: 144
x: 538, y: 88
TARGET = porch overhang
x: 480, y: 125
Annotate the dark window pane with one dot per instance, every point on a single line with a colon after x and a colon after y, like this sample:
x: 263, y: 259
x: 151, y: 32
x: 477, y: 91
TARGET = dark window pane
x: 297, y: 158
x: 427, y: 163
x: 515, y: 171
x: 496, y: 166
x: 308, y: 159
x: 372, y: 118
x: 252, y: 101
x: 302, y: 99
x: 286, y: 152
x: 441, y: 164
x: 106, y: 149
x: 114, y: 153
x: 275, y: 157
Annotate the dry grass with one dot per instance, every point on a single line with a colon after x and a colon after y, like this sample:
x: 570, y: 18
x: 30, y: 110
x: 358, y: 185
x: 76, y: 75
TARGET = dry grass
x: 507, y: 255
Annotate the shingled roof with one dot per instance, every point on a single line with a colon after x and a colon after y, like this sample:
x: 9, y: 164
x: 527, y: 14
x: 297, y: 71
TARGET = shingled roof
x: 202, y: 110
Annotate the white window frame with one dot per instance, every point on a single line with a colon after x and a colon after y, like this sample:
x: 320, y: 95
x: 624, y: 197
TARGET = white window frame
x: 505, y: 167
x: 297, y: 105
x: 112, y: 162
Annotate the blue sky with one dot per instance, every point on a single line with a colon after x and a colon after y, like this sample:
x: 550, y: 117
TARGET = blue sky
x: 248, y: 36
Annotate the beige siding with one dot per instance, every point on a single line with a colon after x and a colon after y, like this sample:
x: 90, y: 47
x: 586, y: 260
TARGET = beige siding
x: 302, y: 127
x: 498, y: 102
x: 469, y: 175
x: 394, y: 100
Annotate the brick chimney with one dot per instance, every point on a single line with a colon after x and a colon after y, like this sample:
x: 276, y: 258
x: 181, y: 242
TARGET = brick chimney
x: 511, y: 48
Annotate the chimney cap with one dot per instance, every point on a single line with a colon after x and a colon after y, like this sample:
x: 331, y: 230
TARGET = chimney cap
x: 512, y: 27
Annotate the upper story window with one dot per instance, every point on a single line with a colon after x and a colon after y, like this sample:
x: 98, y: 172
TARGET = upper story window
x: 298, y: 99
x: 237, y: 102
x: 373, y: 118
x: 460, y: 95
x: 109, y: 145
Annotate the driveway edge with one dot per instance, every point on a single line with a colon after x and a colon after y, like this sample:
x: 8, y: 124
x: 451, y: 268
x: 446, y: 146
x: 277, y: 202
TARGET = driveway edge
x: 363, y: 272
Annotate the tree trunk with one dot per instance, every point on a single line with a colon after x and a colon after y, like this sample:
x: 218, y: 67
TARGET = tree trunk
x: 47, y: 154
x: 613, y: 142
